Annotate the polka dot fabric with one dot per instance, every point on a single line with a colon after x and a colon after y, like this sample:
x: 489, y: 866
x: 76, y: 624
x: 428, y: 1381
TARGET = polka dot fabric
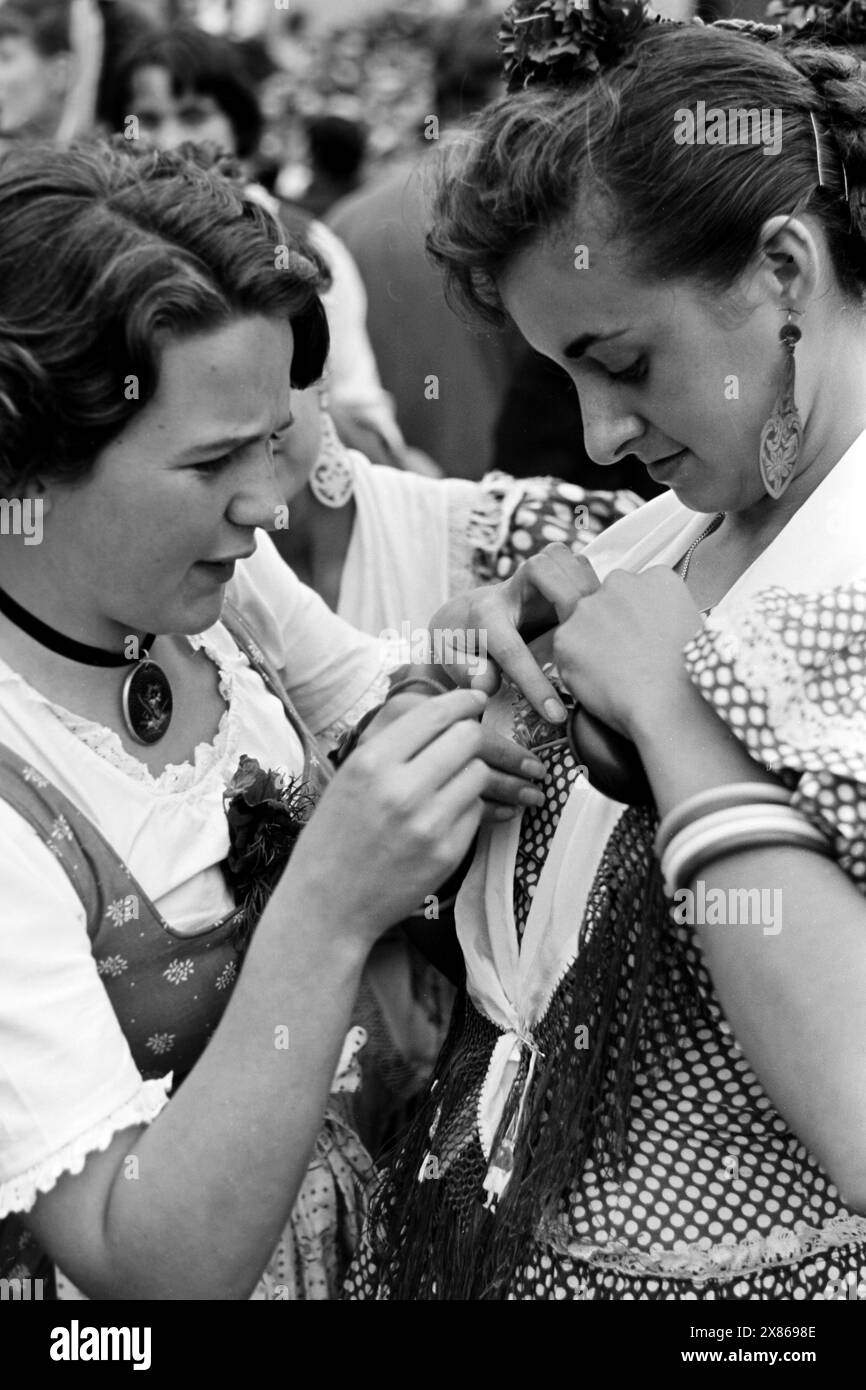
x: 522, y: 515
x: 717, y: 1199
x: 787, y: 672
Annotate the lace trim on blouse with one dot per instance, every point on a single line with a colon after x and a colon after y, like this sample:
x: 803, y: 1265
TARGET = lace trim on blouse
x: 374, y: 695
x: 20, y: 1193
x: 475, y: 521
x: 175, y: 777
x: 766, y: 661
x: 783, y: 1245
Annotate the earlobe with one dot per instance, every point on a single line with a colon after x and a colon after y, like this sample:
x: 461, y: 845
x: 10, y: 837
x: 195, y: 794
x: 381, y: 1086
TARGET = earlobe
x: 37, y: 490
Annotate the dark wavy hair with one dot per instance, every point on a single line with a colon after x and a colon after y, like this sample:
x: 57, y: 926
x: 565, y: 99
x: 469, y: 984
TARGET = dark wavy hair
x: 533, y: 162
x: 195, y: 62
x: 44, y: 23
x: 104, y: 256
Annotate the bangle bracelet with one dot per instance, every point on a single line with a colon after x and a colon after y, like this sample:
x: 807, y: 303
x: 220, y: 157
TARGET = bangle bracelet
x: 688, y: 870
x: 726, y: 831
x: 718, y: 824
x: 704, y: 836
x: 717, y: 799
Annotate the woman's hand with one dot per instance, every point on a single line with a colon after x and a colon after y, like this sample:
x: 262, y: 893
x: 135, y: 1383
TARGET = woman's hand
x: 500, y: 619
x: 620, y: 651
x: 397, y: 820
x: 511, y: 769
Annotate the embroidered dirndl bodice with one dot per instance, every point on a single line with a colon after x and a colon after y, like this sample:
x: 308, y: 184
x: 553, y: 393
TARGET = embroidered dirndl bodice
x: 169, y: 992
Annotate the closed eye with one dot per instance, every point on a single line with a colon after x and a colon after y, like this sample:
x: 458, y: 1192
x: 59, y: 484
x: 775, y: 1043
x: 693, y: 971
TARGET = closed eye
x: 636, y: 372
x: 217, y: 464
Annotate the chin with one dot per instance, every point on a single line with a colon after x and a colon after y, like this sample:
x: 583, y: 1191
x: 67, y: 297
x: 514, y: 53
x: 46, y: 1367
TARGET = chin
x: 195, y: 617
x: 698, y: 499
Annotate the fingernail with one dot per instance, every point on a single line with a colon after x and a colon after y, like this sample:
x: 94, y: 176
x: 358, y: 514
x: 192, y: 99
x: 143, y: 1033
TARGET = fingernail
x: 505, y: 813
x: 480, y: 695
x: 531, y: 796
x: 554, y: 711
x: 531, y: 767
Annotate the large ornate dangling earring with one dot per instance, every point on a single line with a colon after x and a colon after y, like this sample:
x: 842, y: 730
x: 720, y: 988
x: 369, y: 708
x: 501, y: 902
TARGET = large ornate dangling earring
x: 332, y: 481
x: 782, y: 435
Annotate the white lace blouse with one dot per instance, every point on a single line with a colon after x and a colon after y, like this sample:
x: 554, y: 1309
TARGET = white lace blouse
x: 67, y: 1078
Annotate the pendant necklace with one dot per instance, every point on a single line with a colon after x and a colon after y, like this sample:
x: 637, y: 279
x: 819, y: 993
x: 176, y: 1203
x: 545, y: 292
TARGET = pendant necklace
x: 146, y: 700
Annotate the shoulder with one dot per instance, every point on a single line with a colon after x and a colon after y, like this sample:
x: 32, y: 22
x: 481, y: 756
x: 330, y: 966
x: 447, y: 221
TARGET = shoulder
x: 325, y: 664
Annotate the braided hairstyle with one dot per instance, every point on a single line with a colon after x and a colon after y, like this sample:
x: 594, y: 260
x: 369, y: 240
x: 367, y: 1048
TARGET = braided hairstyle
x: 533, y: 163
x: 839, y: 79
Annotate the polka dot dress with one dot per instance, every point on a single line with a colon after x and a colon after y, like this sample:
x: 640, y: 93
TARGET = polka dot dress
x: 717, y: 1198
x: 522, y: 515
x: 787, y: 672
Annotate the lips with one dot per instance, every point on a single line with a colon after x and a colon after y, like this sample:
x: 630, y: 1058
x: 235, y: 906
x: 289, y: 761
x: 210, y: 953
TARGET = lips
x: 661, y: 466
x: 223, y: 570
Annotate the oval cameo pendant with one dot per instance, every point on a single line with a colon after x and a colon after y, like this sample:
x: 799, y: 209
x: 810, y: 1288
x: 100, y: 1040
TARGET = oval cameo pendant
x: 147, y: 702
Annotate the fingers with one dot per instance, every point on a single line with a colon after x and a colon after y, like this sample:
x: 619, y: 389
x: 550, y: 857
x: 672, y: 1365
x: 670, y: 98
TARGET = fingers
x: 484, y: 676
x: 459, y: 803
x: 511, y: 791
x: 561, y: 577
x: 520, y: 667
x: 445, y: 757
x: 407, y: 736
x: 511, y: 772
x: 508, y: 756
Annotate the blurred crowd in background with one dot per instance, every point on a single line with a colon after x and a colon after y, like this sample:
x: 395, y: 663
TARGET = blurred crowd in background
x: 331, y: 107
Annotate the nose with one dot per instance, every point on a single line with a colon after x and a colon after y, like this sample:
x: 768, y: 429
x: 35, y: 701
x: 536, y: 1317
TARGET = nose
x: 610, y: 431
x: 258, y: 497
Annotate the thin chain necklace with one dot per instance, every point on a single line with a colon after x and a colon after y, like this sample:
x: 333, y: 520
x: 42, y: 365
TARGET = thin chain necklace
x: 708, y: 531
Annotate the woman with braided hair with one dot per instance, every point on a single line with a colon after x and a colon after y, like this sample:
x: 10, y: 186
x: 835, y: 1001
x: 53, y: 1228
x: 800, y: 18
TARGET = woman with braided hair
x: 654, y: 1084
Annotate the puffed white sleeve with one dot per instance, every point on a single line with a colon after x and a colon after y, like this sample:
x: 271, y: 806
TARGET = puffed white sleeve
x: 333, y: 672
x: 68, y: 1082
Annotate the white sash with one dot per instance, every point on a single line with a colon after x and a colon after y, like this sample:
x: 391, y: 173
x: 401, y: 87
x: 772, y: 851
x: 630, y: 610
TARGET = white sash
x: 824, y: 544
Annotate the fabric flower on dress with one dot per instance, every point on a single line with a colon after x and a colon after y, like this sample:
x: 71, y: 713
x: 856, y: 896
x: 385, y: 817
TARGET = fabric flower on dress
x: 266, y: 812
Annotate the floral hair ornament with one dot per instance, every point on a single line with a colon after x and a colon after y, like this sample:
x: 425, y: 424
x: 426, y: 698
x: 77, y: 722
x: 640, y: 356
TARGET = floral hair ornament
x: 839, y: 25
x: 558, y: 41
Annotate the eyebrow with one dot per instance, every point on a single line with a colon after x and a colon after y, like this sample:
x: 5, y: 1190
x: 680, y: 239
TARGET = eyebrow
x: 228, y: 444
x: 578, y: 346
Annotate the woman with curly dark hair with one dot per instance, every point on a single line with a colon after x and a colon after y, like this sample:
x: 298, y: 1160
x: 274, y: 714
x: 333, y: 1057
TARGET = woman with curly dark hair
x: 163, y: 683
x: 654, y: 1086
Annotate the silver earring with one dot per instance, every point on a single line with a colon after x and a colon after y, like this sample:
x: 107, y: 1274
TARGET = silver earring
x: 332, y: 481
x: 782, y: 435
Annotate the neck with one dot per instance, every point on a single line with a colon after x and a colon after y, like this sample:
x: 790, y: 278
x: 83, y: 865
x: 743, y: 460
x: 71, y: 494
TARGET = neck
x: 764, y: 520
x: 317, y: 542
x: 60, y: 599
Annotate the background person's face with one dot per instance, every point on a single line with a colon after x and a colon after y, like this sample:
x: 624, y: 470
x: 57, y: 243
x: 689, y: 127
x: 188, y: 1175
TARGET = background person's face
x: 31, y: 89
x: 167, y: 120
